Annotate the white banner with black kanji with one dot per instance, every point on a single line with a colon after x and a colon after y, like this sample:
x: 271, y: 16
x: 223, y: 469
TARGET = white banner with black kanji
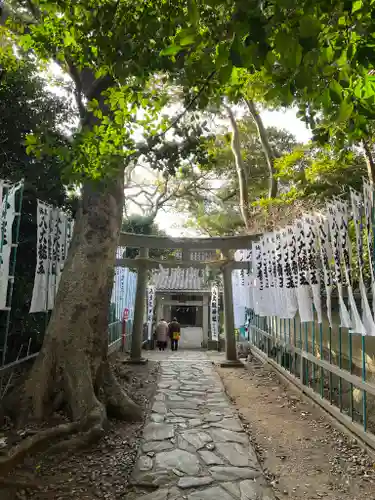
x: 214, y: 313
x: 150, y: 309
x: 54, y: 235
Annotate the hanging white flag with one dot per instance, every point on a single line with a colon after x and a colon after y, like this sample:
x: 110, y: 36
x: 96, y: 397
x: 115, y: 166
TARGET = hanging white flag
x: 8, y: 213
x: 150, y: 309
x: 39, y: 298
x: 214, y: 313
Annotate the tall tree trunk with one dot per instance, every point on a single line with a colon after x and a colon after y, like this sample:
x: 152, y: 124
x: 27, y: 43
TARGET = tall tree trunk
x: 240, y: 167
x: 72, y: 369
x: 73, y: 363
x: 267, y: 148
x: 369, y: 161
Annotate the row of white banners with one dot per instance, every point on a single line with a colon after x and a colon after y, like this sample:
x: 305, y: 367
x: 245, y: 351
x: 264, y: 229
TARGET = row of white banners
x: 54, y: 235
x: 124, y: 289
x: 291, y: 267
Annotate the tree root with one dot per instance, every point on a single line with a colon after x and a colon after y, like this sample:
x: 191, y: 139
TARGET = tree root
x: 118, y: 404
x: 93, y: 434
x: 35, y: 443
x: 90, y: 430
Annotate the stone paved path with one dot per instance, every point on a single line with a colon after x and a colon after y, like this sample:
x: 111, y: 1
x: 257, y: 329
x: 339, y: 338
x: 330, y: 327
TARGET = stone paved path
x: 194, y: 446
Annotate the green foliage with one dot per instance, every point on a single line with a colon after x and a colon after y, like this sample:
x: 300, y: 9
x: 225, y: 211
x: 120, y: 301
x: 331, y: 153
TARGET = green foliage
x: 138, y: 224
x: 316, y: 54
x: 214, y: 204
x: 112, y: 51
x: 319, y: 174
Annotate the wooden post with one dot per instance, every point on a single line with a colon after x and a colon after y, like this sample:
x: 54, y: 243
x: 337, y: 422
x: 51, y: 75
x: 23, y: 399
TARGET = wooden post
x: 139, y: 309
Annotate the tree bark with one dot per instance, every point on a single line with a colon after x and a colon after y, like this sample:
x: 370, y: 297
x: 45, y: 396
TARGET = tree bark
x: 369, y: 161
x: 73, y: 361
x: 72, y: 366
x: 267, y: 148
x: 240, y: 167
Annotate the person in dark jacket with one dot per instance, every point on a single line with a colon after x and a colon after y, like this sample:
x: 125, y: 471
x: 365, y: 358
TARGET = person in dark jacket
x: 174, y: 333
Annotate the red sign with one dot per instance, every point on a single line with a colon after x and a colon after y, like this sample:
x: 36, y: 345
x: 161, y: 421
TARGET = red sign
x: 125, y: 316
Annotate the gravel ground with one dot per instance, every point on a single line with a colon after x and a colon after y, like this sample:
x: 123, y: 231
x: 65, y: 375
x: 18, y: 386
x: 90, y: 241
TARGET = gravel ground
x: 101, y: 471
x: 303, y: 456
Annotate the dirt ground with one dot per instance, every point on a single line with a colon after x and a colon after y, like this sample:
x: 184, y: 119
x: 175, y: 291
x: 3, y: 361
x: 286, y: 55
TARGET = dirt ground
x: 101, y: 471
x: 303, y: 456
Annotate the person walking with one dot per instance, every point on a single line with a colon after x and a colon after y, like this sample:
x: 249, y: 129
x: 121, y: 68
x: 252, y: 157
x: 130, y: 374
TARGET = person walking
x: 162, y: 330
x: 174, y: 333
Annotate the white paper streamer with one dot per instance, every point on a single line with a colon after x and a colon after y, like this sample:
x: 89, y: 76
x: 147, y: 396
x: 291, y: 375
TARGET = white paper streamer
x: 54, y: 235
x: 150, y: 309
x: 8, y: 214
x: 357, y: 208
x: 325, y: 259
x: 214, y: 313
x: 39, y: 298
x: 304, y: 293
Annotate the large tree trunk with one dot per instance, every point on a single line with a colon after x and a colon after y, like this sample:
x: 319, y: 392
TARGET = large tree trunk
x: 72, y: 370
x: 267, y: 148
x: 72, y: 366
x: 240, y: 167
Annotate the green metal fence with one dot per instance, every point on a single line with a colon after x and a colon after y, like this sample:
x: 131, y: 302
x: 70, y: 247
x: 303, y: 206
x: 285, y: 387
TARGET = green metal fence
x: 305, y: 354
x: 120, y: 337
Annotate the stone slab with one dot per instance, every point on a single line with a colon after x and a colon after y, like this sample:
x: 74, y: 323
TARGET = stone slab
x: 194, y: 482
x: 178, y: 459
x: 184, y: 405
x: 233, y: 489
x: 213, y: 417
x: 158, y: 432
x: 224, y: 436
x: 220, y: 473
x: 183, y: 412
x: 196, y: 438
x: 155, y: 446
x: 159, y: 407
x: 214, y: 493
x: 235, y: 453
x: 231, y: 424
x: 157, y: 417
x: 256, y: 490
x: 210, y: 458
x: 145, y: 463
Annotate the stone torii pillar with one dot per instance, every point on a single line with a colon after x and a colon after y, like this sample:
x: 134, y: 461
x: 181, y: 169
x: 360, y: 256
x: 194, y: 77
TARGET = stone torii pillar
x: 139, y: 309
x: 230, y: 338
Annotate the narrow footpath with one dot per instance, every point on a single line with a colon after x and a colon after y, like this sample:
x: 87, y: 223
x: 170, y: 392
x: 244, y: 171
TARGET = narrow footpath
x: 194, y: 446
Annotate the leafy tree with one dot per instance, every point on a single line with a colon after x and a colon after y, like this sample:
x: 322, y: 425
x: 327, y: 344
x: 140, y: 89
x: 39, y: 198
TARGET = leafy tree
x: 138, y: 224
x: 111, y: 50
x: 26, y: 107
x: 316, y: 54
x: 156, y: 178
x: 318, y: 174
x: 215, y: 203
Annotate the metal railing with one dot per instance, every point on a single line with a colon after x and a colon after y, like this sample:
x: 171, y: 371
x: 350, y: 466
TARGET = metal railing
x: 119, y: 338
x: 303, y: 353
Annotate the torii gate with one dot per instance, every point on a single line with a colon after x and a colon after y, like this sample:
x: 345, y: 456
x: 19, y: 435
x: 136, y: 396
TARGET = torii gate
x: 226, y: 264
